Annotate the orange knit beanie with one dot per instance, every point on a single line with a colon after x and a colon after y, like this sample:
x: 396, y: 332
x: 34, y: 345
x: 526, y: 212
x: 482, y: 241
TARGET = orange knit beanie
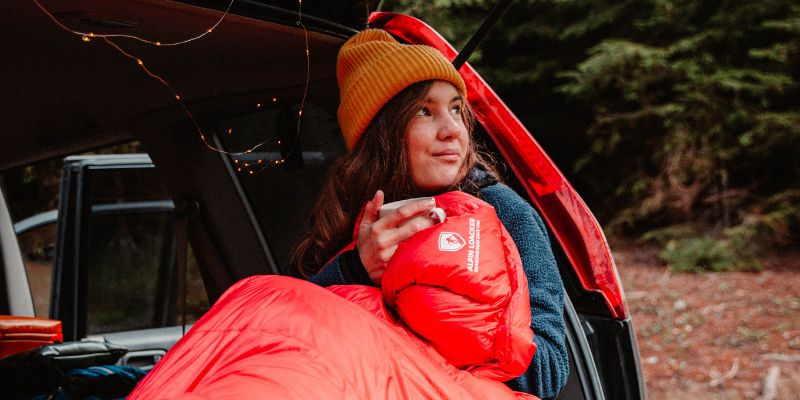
x: 372, y: 67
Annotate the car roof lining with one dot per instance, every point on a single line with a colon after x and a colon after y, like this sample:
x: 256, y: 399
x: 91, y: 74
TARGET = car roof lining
x: 65, y: 95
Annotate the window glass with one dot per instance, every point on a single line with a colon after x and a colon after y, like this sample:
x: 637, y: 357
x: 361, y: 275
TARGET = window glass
x: 131, y: 269
x: 132, y: 280
x: 125, y: 254
x: 31, y: 189
x: 282, y: 177
x: 37, y: 246
x: 126, y: 185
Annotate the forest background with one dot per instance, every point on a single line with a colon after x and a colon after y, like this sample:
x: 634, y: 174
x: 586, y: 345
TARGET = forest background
x: 677, y: 121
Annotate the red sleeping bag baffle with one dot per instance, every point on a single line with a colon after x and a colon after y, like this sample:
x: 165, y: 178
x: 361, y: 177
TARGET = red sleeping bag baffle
x: 282, y: 338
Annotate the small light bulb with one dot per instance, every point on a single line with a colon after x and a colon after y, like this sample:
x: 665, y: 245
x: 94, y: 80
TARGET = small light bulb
x: 158, y: 43
x: 177, y: 97
x: 246, y: 164
x: 86, y: 38
x: 251, y: 172
x: 138, y: 61
x: 258, y: 105
x: 230, y: 130
x: 235, y: 161
x: 260, y: 161
x: 239, y: 169
x: 279, y: 142
x: 274, y: 99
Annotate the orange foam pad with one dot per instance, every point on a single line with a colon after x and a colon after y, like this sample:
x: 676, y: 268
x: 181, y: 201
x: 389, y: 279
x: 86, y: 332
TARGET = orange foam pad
x: 18, y: 334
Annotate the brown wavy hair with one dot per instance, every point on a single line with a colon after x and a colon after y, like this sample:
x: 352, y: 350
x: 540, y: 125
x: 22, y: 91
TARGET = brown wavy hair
x: 378, y: 161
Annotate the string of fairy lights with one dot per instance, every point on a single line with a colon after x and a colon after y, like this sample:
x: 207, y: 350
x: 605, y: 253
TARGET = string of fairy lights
x: 246, y: 167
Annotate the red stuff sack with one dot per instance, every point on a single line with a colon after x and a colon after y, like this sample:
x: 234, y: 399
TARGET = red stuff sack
x: 461, y: 286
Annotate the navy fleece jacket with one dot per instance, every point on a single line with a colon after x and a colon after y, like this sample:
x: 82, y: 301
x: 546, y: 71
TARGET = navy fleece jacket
x: 548, y: 371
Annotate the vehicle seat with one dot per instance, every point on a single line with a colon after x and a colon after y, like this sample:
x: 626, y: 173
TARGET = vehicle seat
x: 52, y: 367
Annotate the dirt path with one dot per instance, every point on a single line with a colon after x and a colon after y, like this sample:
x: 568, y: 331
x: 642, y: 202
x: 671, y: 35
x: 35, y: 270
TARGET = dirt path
x: 729, y: 335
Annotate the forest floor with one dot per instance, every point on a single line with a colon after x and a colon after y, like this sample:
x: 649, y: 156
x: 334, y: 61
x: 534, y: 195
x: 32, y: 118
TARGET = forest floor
x: 729, y: 335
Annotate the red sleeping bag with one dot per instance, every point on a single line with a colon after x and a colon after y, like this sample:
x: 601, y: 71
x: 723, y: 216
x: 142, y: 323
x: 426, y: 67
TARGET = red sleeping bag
x: 283, y: 338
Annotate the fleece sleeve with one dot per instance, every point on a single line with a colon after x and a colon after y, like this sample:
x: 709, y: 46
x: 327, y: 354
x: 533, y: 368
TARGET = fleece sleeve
x: 549, y: 369
x: 344, y: 269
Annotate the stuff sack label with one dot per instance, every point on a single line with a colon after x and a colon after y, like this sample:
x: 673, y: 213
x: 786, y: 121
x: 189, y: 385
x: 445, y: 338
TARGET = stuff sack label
x: 451, y: 241
x: 474, y: 249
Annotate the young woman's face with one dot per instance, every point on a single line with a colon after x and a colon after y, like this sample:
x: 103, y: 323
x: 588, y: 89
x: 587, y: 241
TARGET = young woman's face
x: 437, y: 140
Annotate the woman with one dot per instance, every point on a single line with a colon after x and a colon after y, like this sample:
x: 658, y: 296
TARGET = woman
x: 407, y: 127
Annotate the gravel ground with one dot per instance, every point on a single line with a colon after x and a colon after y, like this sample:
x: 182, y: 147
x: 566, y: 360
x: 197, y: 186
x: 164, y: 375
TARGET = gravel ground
x: 732, y: 335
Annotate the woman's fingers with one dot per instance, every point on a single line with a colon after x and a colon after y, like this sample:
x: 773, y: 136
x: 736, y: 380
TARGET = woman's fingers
x: 401, y: 224
x: 383, y: 257
x: 399, y: 216
x: 369, y: 248
x: 408, y: 228
x: 378, y: 237
x: 372, y: 208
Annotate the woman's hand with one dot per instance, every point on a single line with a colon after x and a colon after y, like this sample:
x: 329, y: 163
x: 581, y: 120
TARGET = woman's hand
x: 378, y: 237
